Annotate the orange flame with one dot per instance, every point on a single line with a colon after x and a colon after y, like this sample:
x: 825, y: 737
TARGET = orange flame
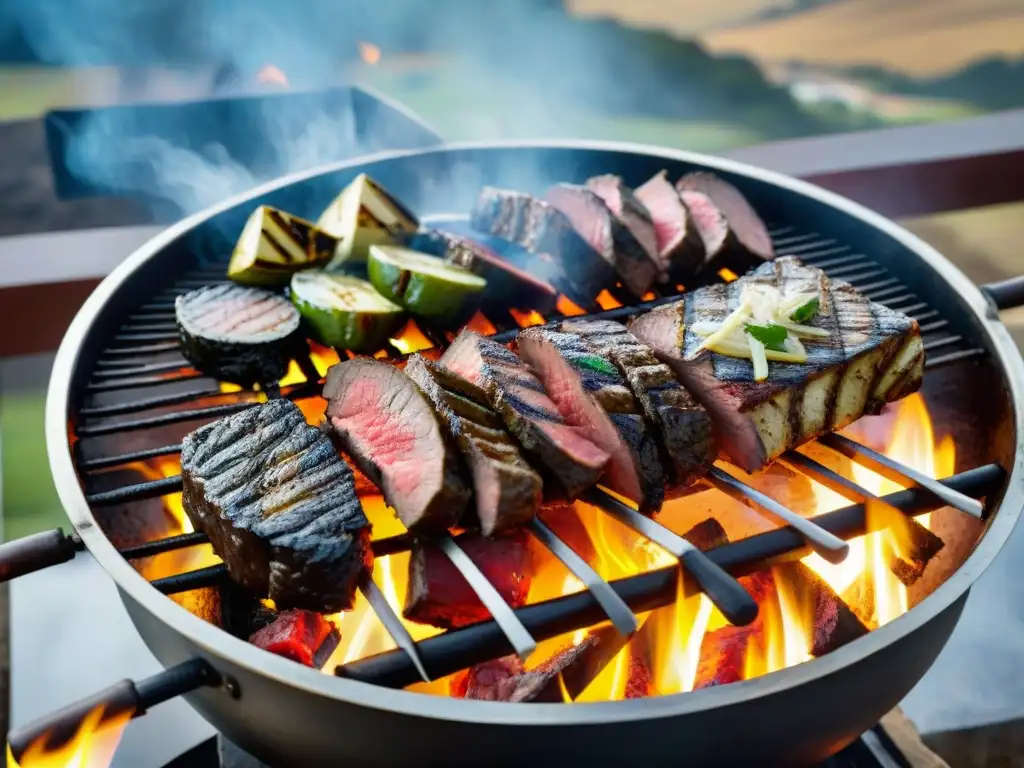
x: 606, y: 301
x: 525, y: 318
x: 369, y: 53
x: 271, y: 75
x: 92, y: 746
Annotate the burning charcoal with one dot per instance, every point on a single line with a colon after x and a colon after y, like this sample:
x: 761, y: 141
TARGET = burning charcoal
x: 439, y: 595
x: 747, y: 240
x: 542, y: 229
x: 639, y: 684
x: 834, y: 623
x: 680, y: 248
x: 486, y: 681
x: 607, y: 235
x: 591, y: 394
x: 919, y: 546
x: 507, y: 492
x: 301, y: 636
x: 239, y: 334
x: 707, y: 534
x: 516, y: 394
x: 391, y: 429
x: 279, y: 507
x: 506, y: 283
x: 631, y: 211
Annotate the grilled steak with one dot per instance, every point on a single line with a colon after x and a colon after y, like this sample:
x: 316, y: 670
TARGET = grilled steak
x: 630, y: 210
x: 872, y: 356
x: 743, y: 220
x: 680, y: 247
x: 544, y: 230
x: 681, y: 425
x: 239, y: 334
x: 302, y: 636
x: 439, y: 595
x: 279, y: 507
x: 390, y: 428
x: 571, y: 459
x: 507, y: 491
x: 506, y: 283
x: 607, y: 235
x: 592, y: 394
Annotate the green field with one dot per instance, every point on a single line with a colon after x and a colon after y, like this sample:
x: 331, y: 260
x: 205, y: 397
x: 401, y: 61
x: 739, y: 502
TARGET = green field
x: 29, y: 499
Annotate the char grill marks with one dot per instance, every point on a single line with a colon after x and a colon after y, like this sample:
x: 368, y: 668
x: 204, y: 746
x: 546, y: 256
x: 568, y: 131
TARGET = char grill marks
x: 391, y: 430
x: 543, y: 230
x: 682, y: 426
x: 592, y: 394
x: 507, y: 491
x: 244, y: 335
x: 279, y: 507
x: 572, y: 460
x: 872, y: 356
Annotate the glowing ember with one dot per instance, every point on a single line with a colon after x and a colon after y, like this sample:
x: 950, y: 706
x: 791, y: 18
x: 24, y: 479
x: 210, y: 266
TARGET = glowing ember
x: 568, y: 308
x: 527, y: 318
x: 606, y: 301
x: 92, y: 746
x: 411, y: 339
x: 481, y: 325
x: 369, y: 53
x: 727, y: 274
x: 271, y: 75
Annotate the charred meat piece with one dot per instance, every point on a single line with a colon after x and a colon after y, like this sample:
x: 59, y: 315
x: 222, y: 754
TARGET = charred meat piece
x: 681, y: 425
x: 871, y: 356
x: 516, y: 394
x: 506, y: 490
x: 607, y: 235
x: 439, y: 595
x: 279, y: 507
x: 391, y: 429
x: 239, y: 334
x: 301, y: 636
x: 544, y: 230
x: 680, y: 247
x: 506, y: 283
x: 591, y: 393
x: 750, y: 232
x: 630, y: 210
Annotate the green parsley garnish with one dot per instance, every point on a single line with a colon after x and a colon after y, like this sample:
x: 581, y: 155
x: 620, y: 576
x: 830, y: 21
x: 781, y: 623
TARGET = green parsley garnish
x: 771, y: 335
x: 806, y: 312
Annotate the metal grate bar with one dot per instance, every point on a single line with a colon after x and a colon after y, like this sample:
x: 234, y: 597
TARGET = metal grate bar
x: 870, y: 289
x: 457, y: 649
x: 106, y: 462
x: 934, y: 326
x: 887, y: 294
x: 168, y: 344
x: 901, y: 473
x: 857, y: 278
x: 143, y: 381
x: 169, y: 544
x: 128, y: 364
x: 858, y: 272
x: 946, y: 342
x: 615, y: 608
x: 394, y: 626
x: 812, y: 257
x: 954, y: 357
x: 829, y: 546
x: 858, y: 259
x: 924, y: 315
x: 146, y: 403
x: 210, y: 576
x: 727, y: 594
x: 147, y: 332
x: 910, y: 308
x: 175, y: 417
x: 141, y: 370
x: 136, y: 492
x: 789, y: 240
x: 798, y: 248
x: 502, y: 613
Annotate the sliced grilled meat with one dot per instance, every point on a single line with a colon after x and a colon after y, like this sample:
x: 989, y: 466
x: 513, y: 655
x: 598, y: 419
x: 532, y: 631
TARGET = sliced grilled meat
x: 720, y: 244
x: 607, y: 235
x: 680, y: 247
x: 506, y: 283
x: 631, y: 211
x: 239, y: 334
x: 743, y: 220
x: 507, y: 491
x: 439, y: 595
x: 390, y: 428
x: 592, y: 394
x: 544, y: 230
x: 279, y: 507
x: 682, y: 426
x: 872, y: 356
x: 516, y: 394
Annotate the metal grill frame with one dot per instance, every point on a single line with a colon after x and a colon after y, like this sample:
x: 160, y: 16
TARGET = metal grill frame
x: 981, y: 324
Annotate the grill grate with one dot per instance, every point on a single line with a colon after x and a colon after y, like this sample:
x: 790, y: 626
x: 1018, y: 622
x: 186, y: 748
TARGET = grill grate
x: 144, y: 354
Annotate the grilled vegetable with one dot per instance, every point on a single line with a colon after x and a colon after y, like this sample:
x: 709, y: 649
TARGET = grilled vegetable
x: 423, y: 284
x: 274, y: 245
x: 345, y: 311
x: 862, y: 355
x: 390, y: 428
x: 364, y: 214
x: 279, y: 507
x: 239, y: 334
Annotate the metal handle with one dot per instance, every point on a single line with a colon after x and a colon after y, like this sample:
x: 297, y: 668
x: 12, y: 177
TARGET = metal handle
x: 1005, y: 294
x: 124, y: 698
x: 35, y: 552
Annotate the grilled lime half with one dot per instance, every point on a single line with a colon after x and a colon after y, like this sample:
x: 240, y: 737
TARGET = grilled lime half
x: 423, y: 284
x: 344, y: 311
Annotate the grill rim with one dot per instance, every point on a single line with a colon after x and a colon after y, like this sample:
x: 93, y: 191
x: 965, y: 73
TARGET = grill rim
x: 214, y: 642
